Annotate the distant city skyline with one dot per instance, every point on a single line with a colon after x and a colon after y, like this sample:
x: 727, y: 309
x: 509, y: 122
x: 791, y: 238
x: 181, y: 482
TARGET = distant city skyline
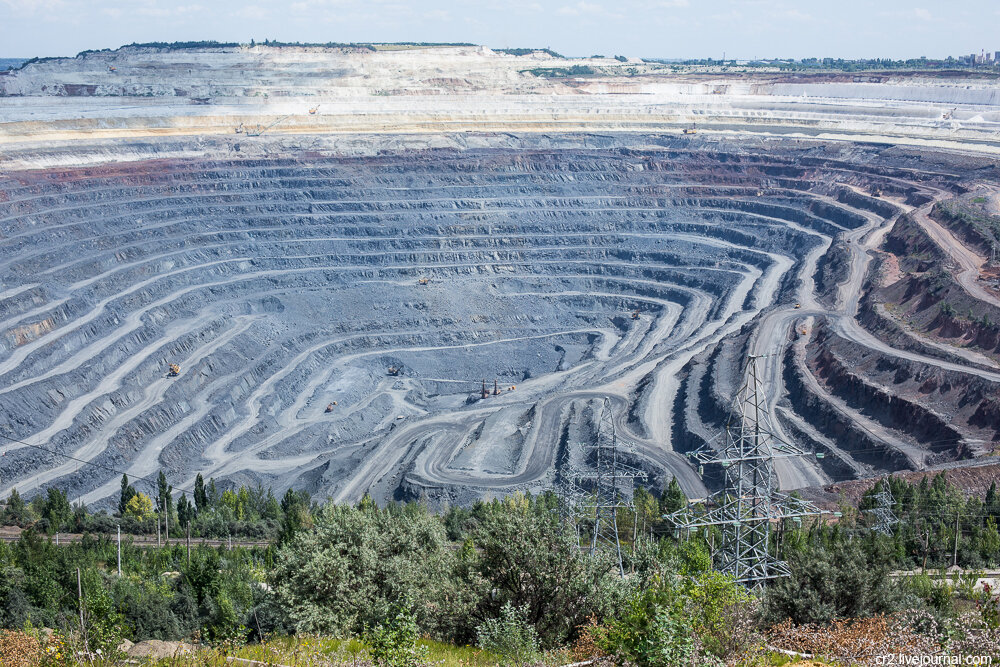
x: 738, y: 29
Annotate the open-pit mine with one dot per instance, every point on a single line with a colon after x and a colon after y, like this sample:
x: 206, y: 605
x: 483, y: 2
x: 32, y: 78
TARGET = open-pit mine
x: 417, y: 272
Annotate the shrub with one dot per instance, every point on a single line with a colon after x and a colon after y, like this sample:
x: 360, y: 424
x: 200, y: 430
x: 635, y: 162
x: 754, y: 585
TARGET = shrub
x: 723, y: 615
x: 833, y: 583
x: 527, y: 557
x: 652, y: 631
x: 394, y: 641
x: 509, y: 637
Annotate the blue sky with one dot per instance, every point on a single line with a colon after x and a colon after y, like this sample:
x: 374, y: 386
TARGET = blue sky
x: 646, y: 28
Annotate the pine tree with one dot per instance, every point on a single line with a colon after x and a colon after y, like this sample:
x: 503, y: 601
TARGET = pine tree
x: 673, y: 498
x: 16, y: 511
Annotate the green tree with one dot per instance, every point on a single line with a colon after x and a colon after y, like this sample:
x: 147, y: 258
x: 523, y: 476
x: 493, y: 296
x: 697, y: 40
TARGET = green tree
x: 139, y: 507
x: 57, y: 510
x: 295, y: 508
x: 529, y: 558
x: 185, y: 511
x: 128, y: 491
x: 16, y: 511
x: 673, y: 498
x: 200, y: 495
x: 348, y: 572
x: 164, y: 499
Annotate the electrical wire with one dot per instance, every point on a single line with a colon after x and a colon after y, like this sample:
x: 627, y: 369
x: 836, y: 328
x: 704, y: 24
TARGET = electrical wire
x: 152, y: 482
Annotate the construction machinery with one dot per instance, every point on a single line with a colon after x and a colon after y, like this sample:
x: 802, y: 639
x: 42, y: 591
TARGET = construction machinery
x: 312, y: 112
x: 259, y: 129
x: 329, y: 407
x: 797, y: 306
x: 174, y: 371
x: 485, y: 393
x: 112, y: 68
x: 691, y: 130
x: 423, y: 281
x: 496, y: 387
x: 392, y: 370
x: 635, y: 314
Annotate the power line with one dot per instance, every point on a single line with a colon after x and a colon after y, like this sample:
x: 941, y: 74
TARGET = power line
x: 749, y: 502
x: 602, y: 488
x: 154, y: 483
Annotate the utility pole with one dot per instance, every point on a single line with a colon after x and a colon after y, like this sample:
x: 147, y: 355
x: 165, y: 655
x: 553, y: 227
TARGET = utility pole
x: 954, y: 553
x: 157, y: 532
x: 119, y: 550
x: 166, y: 523
x: 189, y: 542
x: 749, y: 503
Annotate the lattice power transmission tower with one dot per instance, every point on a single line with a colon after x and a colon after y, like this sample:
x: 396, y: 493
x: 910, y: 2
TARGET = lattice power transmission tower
x: 600, y: 485
x: 749, y: 502
x: 883, y: 518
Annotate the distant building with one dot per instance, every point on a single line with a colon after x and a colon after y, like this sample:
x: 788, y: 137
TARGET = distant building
x: 996, y: 57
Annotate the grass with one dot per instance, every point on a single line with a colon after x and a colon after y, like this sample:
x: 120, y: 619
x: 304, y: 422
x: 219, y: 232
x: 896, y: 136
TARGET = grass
x: 310, y: 651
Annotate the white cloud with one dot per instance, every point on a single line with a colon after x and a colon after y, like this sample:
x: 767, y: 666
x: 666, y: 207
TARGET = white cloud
x: 922, y: 14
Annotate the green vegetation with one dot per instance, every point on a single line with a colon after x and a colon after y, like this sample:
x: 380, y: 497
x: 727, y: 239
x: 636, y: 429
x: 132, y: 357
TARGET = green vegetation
x: 972, y: 221
x: 249, y: 513
x: 819, y: 65
x: 524, y: 52
x: 561, y: 72
x: 404, y: 586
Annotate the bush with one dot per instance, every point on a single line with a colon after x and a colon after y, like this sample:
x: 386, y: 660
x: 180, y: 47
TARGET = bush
x: 510, y: 637
x: 527, y: 557
x: 394, y: 641
x: 841, y: 581
x: 652, y: 631
x: 348, y: 572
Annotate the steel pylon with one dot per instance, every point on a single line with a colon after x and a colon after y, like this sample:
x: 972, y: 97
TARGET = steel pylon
x: 748, y: 504
x: 600, y: 486
x: 883, y: 518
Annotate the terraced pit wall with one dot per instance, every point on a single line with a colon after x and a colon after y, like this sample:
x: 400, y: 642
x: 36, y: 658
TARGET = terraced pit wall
x: 286, y: 279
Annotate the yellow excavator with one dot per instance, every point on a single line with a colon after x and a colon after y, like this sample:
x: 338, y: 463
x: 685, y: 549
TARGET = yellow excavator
x: 635, y: 314
x: 691, y: 130
x: 424, y: 281
x: 174, y: 371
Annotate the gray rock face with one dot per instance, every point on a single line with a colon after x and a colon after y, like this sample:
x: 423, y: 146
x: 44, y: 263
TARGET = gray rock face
x: 284, y: 285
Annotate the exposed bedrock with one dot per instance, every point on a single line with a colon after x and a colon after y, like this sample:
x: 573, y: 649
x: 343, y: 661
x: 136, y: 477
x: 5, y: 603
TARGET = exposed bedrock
x: 334, y: 316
